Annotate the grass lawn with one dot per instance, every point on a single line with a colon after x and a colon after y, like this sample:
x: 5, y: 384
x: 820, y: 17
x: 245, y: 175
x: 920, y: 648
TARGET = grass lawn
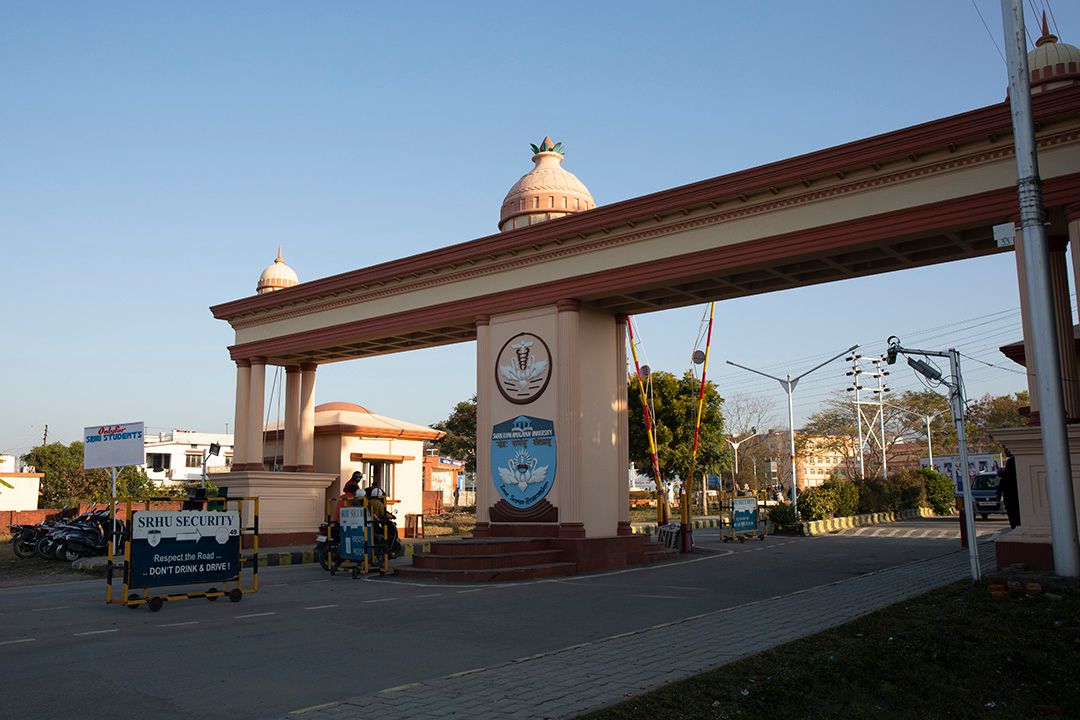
x: 952, y: 653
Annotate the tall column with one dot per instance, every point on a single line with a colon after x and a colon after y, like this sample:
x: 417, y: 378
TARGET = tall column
x: 305, y: 455
x: 292, y: 417
x: 1059, y: 288
x: 1072, y: 215
x: 484, y: 382
x: 1025, y: 325
x: 622, y: 449
x: 240, y: 417
x: 568, y: 431
x: 253, y: 449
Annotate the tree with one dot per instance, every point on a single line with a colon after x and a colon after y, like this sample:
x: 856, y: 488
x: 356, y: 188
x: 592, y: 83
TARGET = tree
x: 67, y: 482
x: 991, y: 412
x: 460, y: 429
x: 674, y: 404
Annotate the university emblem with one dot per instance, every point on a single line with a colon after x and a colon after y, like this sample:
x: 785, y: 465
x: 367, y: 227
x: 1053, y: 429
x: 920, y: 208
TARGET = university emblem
x: 523, y: 460
x: 523, y: 368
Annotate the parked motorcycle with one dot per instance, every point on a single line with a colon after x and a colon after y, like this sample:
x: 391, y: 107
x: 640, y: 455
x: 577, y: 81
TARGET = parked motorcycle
x: 84, y: 539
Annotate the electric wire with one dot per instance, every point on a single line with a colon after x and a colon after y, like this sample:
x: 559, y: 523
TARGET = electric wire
x: 992, y: 39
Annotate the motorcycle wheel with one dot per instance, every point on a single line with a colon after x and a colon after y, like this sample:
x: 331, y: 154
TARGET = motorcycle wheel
x: 321, y: 556
x: 24, y: 549
x: 65, y: 553
x: 44, y: 548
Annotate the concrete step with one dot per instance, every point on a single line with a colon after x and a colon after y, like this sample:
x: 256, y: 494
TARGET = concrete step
x: 487, y: 546
x: 525, y: 572
x: 472, y: 561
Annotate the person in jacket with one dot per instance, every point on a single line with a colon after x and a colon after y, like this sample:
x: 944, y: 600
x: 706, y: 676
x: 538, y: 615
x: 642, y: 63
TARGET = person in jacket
x: 1008, y: 491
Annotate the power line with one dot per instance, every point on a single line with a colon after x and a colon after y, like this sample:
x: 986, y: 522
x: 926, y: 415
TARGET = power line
x: 992, y: 39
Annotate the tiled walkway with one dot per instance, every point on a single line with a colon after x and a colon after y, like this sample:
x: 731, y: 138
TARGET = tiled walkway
x: 573, y: 680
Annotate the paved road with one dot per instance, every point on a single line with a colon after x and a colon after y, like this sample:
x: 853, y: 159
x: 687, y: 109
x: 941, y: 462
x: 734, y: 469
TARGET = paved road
x: 306, y: 639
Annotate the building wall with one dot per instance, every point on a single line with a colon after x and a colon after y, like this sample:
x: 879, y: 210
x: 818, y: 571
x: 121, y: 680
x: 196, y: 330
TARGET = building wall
x: 601, y: 479
x: 178, y: 445
x: 22, y: 493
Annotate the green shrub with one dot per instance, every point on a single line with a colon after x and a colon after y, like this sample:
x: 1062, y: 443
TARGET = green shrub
x: 817, y: 504
x: 903, y: 491
x: 845, y: 497
x: 940, y: 491
x: 783, y: 515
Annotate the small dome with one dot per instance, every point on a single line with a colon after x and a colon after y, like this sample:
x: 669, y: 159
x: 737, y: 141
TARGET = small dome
x: 276, y: 277
x: 1052, y: 63
x: 544, y: 193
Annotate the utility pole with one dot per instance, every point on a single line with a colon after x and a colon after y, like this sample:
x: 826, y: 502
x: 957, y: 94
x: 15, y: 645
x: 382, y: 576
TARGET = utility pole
x: 735, y: 447
x: 789, y: 387
x: 45, y: 437
x: 1042, y: 346
x: 955, y: 383
x: 880, y: 373
x: 854, y: 373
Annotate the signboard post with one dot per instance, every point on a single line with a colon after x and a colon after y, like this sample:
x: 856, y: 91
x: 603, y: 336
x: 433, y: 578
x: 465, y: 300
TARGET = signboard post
x: 745, y: 519
x: 114, y: 447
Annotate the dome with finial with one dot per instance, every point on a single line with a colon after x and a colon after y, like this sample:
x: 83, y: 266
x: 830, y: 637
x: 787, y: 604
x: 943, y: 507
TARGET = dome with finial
x: 544, y: 193
x: 1053, y: 63
x: 276, y: 277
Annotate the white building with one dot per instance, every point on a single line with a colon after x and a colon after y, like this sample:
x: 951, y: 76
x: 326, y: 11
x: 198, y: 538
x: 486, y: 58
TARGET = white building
x: 177, y: 456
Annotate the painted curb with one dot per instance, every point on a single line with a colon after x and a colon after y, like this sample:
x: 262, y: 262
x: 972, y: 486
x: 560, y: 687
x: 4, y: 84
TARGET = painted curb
x: 822, y: 527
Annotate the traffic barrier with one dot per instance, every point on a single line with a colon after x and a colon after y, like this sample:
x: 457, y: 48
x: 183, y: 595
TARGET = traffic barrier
x: 821, y: 527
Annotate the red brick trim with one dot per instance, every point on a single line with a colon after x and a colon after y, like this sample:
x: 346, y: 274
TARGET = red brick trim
x: 991, y: 206
x: 289, y: 468
x: 483, y: 320
x: 1036, y: 556
x: 991, y: 120
x: 305, y: 468
x: 292, y: 369
x: 568, y: 305
x: 243, y: 363
x: 571, y: 530
x: 309, y: 367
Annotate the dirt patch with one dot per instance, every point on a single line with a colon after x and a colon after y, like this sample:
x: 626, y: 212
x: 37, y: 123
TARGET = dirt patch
x: 449, y: 524
x: 14, y: 571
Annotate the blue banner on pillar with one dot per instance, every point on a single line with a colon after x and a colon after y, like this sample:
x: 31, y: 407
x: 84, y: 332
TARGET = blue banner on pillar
x: 523, y: 459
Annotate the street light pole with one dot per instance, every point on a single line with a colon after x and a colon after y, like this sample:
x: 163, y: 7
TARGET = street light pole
x: 789, y: 387
x: 735, y: 448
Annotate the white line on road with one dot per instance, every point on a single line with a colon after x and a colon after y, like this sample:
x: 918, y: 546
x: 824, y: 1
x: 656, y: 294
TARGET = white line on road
x: 378, y: 600
x: 58, y: 607
x: 276, y: 585
x: 460, y: 592
x: 97, y: 632
x: 13, y: 642
x: 320, y: 607
x: 178, y: 624
x: 241, y: 617
x: 663, y: 597
x: 417, y: 597
x: 312, y: 582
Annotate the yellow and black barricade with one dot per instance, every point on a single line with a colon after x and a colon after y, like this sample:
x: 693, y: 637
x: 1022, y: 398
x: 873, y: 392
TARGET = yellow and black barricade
x: 742, y: 518
x: 204, y: 543
x: 371, y: 557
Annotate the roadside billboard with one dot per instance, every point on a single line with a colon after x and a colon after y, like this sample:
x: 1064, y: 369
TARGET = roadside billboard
x: 744, y: 514
x: 179, y: 547
x: 113, y: 446
x: 949, y: 465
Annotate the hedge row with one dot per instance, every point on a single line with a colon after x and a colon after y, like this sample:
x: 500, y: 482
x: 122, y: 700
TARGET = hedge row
x: 906, y: 490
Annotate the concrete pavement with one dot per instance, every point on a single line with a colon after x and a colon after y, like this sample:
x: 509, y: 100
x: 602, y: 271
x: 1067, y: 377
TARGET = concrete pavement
x: 586, y: 676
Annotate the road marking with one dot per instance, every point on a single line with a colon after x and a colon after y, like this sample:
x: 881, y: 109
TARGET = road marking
x: 313, y: 708
x: 319, y: 607
x: 663, y: 597
x: 463, y: 673
x: 13, y: 642
x: 417, y: 597
x: 378, y: 600
x: 461, y: 592
x: 276, y: 585
x: 312, y: 582
x: 58, y: 607
x: 97, y: 632
x: 178, y: 624
x: 241, y: 617
x: 679, y: 587
x: 398, y: 688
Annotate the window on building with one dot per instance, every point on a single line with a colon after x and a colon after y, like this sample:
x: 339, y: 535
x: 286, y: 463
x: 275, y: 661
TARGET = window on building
x: 158, y: 461
x: 193, y: 461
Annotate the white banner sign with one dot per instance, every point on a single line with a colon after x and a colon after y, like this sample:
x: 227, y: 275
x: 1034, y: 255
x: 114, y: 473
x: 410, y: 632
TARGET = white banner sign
x: 113, y: 445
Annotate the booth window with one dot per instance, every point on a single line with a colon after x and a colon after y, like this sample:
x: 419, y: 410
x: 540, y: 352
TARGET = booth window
x: 193, y: 461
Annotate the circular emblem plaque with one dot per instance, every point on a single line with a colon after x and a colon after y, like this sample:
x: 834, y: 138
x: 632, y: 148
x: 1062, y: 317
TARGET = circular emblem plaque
x: 523, y: 368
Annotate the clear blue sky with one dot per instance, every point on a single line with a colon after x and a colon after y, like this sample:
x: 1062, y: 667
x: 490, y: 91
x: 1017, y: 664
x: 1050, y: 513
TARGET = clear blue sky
x: 155, y: 155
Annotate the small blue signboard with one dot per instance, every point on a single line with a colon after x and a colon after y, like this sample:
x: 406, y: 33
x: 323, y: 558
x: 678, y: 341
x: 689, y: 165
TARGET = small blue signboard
x: 744, y: 514
x: 353, y: 541
x: 523, y: 459
x: 177, y: 547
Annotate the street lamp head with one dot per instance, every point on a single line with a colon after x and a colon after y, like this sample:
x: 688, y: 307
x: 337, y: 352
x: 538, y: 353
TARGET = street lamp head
x: 215, y: 448
x: 894, y: 348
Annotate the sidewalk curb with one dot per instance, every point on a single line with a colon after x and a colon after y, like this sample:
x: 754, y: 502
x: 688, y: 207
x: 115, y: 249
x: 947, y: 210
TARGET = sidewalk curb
x: 823, y: 527
x: 696, y: 525
x: 272, y: 558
